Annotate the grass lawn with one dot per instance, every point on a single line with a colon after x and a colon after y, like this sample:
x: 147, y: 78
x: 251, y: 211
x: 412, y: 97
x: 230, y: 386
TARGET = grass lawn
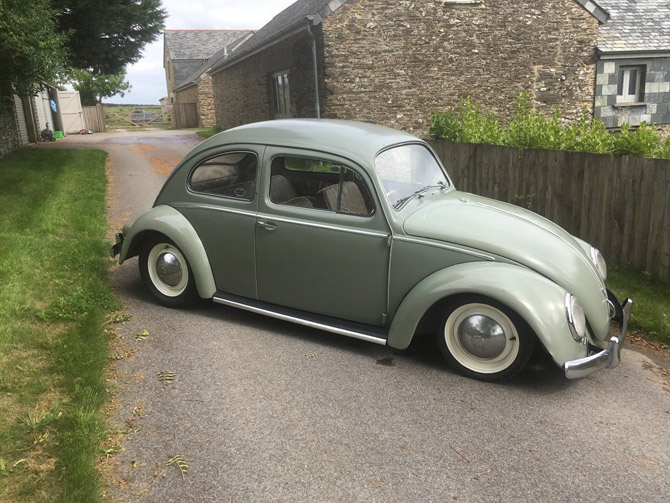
x: 651, y: 297
x: 53, y: 349
x: 209, y: 132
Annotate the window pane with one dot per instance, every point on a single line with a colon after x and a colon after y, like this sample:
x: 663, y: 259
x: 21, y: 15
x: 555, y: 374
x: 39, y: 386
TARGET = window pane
x: 319, y: 184
x: 619, y: 86
x: 632, y: 82
x: 232, y: 175
x: 281, y: 106
x: 287, y: 99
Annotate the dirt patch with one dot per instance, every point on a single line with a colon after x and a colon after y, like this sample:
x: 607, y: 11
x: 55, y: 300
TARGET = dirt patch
x: 163, y: 162
x: 657, y: 352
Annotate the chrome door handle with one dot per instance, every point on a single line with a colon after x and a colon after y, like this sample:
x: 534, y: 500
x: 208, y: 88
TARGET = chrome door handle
x: 266, y: 225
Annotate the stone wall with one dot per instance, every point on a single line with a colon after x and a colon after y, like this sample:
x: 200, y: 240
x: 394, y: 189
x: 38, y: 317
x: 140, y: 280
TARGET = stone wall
x: 206, y: 111
x: 243, y: 93
x: 392, y: 62
x: 655, y: 105
x: 9, y: 135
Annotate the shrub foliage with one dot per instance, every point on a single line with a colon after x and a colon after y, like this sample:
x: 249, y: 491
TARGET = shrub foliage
x: 531, y: 128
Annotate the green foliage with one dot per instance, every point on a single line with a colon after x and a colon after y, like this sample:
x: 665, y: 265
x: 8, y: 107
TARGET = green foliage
x: 530, y: 128
x: 94, y: 86
x: 468, y: 125
x: 651, y: 311
x: 105, y: 36
x: 644, y: 141
x: 32, y: 50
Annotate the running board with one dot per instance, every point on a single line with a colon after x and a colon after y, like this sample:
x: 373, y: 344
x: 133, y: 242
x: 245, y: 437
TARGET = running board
x: 361, y: 331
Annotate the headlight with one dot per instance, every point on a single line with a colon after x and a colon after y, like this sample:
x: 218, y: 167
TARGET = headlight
x: 576, y: 318
x: 599, y: 261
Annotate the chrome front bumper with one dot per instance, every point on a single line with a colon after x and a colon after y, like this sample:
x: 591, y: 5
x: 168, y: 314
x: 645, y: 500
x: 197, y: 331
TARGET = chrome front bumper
x: 608, y: 358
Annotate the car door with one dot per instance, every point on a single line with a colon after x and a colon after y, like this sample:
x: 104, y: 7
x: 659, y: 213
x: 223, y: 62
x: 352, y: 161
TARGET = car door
x: 321, y: 238
x: 221, y: 203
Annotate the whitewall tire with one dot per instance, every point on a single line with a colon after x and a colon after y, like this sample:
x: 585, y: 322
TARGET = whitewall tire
x: 484, y: 340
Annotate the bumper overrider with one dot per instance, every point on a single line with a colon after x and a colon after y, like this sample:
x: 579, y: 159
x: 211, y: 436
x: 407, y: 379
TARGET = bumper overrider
x: 116, y: 249
x: 607, y: 358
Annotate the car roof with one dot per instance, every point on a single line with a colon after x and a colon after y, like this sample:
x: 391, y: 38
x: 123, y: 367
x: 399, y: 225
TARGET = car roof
x: 358, y: 141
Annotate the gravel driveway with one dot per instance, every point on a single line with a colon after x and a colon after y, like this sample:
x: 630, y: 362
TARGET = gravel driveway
x: 261, y: 410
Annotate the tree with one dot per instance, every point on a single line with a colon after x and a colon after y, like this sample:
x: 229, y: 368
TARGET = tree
x: 31, y: 49
x: 105, y: 36
x: 93, y: 87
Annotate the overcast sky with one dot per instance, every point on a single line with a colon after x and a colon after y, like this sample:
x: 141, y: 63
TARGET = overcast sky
x: 147, y: 76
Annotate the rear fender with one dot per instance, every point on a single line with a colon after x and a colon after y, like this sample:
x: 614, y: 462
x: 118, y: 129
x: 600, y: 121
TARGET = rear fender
x: 539, y: 301
x: 172, y: 224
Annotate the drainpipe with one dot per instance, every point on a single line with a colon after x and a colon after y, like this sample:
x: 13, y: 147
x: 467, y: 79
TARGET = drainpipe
x: 316, y: 71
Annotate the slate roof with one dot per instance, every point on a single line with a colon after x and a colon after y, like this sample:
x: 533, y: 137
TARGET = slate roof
x: 284, y: 22
x: 198, y: 44
x: 635, y: 26
x: 189, y: 49
x: 194, y: 76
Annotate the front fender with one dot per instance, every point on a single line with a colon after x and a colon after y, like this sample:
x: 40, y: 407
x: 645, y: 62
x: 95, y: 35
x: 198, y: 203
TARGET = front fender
x: 538, y: 300
x: 169, y: 222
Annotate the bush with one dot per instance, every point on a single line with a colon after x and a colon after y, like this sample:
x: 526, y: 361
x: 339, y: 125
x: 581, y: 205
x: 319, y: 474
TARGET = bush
x: 530, y: 128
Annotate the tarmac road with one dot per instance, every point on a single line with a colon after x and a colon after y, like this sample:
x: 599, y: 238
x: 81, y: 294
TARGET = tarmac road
x: 261, y: 410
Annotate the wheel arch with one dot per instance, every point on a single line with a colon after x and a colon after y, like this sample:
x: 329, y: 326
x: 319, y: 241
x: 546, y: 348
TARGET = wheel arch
x: 536, y: 299
x: 167, y: 221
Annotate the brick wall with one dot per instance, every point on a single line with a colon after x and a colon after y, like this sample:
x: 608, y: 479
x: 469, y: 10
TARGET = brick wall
x: 654, y: 107
x: 243, y: 93
x: 391, y: 62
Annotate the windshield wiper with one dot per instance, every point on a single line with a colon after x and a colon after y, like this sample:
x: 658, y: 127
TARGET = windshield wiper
x: 403, y: 200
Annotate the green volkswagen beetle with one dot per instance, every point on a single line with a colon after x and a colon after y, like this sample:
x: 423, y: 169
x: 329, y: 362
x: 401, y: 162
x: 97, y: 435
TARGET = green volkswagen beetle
x: 357, y: 229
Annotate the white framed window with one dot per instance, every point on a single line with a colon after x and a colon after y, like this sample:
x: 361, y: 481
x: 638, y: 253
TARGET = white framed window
x: 282, y: 94
x: 630, y: 86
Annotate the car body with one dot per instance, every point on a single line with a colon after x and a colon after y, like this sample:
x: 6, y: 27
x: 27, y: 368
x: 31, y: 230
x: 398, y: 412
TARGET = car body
x: 357, y: 229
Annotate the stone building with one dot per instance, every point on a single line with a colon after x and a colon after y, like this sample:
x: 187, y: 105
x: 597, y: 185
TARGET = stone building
x: 392, y: 62
x: 187, y: 55
x: 633, y: 70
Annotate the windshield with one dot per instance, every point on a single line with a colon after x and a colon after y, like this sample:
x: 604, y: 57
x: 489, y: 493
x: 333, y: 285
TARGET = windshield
x: 408, y: 171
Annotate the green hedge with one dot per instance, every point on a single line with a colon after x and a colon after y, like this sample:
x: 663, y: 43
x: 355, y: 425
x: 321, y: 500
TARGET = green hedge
x: 530, y: 128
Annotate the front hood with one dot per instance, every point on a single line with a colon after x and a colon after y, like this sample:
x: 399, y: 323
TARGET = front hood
x: 511, y: 232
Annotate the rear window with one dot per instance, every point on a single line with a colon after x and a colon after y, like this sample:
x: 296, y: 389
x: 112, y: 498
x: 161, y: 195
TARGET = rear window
x: 232, y: 174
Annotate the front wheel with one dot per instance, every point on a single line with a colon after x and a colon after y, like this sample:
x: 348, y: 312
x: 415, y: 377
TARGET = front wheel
x: 166, y: 273
x: 484, y: 339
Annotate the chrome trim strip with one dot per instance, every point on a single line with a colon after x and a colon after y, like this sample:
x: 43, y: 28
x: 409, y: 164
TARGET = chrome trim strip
x: 301, y: 321
x: 352, y: 230
x: 200, y: 206
x: 445, y: 246
x: 579, y: 250
x: 608, y: 358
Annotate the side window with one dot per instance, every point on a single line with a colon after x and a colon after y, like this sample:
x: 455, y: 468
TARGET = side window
x: 232, y: 174
x: 630, y: 84
x: 282, y: 94
x: 319, y: 184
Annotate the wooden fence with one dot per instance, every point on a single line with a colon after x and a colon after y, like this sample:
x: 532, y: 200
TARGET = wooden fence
x: 186, y: 115
x: 620, y: 204
x: 94, y: 118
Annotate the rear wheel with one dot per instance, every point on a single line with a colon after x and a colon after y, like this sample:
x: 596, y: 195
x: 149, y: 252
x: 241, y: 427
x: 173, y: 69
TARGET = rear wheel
x: 484, y: 339
x: 166, y: 273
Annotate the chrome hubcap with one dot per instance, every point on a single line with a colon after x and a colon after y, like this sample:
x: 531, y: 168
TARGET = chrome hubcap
x: 481, y: 336
x: 169, y: 269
